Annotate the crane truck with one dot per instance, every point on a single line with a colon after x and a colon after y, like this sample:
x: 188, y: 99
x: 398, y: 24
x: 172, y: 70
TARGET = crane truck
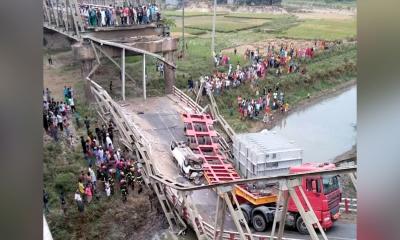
x: 258, y: 205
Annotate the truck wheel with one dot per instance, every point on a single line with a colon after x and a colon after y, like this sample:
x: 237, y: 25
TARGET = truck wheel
x: 301, y: 226
x: 259, y: 223
x: 246, y: 216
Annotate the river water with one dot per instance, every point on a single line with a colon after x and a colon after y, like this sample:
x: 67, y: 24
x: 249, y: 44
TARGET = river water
x: 324, y: 130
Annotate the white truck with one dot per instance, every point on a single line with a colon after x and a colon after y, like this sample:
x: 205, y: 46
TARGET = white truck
x: 189, y: 163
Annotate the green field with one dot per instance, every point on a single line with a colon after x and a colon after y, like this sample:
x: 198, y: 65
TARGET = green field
x: 255, y: 15
x: 178, y: 13
x: 323, y: 29
x: 223, y: 24
x: 336, y: 4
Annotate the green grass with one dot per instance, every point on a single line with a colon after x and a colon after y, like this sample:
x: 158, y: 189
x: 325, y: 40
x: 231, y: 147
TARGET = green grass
x: 336, y: 4
x: 255, y: 15
x: 323, y: 29
x: 178, y: 13
x: 191, y: 31
x: 222, y: 24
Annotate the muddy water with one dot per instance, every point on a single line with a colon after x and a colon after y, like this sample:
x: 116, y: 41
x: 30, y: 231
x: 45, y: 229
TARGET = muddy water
x: 324, y: 130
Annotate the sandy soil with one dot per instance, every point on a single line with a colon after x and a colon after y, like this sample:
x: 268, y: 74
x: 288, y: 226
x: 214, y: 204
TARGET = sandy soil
x: 63, y: 72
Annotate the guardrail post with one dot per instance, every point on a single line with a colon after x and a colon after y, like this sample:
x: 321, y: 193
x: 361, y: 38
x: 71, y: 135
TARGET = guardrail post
x: 346, y: 205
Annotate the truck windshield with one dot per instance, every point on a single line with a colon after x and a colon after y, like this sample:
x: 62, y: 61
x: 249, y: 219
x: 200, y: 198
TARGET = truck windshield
x: 331, y: 183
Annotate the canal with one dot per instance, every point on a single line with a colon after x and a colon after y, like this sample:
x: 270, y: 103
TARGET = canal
x: 324, y: 130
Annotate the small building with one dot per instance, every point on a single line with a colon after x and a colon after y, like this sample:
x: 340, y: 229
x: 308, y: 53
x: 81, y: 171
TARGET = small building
x: 264, y: 153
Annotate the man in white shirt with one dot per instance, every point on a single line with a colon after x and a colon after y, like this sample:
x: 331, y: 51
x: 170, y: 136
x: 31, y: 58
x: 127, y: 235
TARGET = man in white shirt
x: 109, y: 141
x: 92, y: 176
x: 60, y: 122
x: 78, y: 200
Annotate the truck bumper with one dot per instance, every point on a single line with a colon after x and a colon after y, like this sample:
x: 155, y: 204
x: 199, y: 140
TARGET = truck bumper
x: 327, y: 220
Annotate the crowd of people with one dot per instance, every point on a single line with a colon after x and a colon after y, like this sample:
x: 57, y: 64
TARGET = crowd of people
x: 253, y: 108
x: 287, y: 58
x: 96, y: 16
x: 56, y: 114
x: 109, y: 169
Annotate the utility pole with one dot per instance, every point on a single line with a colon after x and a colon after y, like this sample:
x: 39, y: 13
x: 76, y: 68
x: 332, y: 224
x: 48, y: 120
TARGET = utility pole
x: 213, y: 30
x: 183, y: 27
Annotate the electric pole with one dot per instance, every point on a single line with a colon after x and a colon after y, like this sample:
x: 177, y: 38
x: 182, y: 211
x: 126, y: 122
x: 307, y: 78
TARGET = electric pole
x: 213, y: 30
x: 183, y: 27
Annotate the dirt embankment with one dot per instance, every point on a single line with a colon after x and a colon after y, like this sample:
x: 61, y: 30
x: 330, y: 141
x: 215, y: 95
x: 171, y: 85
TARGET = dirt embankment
x: 140, y: 218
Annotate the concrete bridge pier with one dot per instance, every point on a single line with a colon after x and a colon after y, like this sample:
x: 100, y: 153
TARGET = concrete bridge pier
x: 169, y: 72
x: 84, y: 53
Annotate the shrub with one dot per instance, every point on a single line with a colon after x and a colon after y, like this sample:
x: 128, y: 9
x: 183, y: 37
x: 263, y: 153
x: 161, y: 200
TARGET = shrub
x: 65, y: 181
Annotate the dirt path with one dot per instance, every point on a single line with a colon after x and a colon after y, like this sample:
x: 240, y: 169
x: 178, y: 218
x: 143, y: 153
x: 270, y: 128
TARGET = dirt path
x: 64, y: 72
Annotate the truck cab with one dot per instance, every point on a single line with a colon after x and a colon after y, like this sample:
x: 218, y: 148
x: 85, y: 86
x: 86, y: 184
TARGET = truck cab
x: 323, y: 192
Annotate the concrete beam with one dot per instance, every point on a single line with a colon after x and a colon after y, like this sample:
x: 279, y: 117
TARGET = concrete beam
x: 110, y: 33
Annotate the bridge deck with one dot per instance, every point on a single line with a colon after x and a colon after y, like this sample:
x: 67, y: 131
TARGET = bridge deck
x: 159, y: 120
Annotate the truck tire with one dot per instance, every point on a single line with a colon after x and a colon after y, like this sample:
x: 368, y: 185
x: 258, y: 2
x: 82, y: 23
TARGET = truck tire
x: 259, y: 222
x: 301, y: 226
x: 246, y: 216
x: 246, y: 210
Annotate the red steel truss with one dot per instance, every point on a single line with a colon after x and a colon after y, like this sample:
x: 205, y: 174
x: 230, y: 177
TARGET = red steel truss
x: 202, y: 139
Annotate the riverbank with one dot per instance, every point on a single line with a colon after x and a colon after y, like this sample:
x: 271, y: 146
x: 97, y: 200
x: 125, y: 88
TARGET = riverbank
x: 303, y: 104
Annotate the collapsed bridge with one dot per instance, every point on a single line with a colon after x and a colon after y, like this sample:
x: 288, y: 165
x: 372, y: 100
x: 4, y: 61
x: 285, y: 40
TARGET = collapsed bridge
x: 212, y: 209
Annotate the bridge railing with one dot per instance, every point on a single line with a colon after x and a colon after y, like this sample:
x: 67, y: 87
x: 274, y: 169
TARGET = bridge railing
x: 348, y: 205
x: 217, y: 115
x: 187, y: 100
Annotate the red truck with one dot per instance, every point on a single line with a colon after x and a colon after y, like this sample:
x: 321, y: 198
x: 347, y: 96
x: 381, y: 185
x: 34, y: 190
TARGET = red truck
x: 323, y: 192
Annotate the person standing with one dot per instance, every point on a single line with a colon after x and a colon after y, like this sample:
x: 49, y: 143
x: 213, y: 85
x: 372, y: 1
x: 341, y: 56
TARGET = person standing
x: 45, y: 122
x: 93, y: 177
x: 66, y: 127
x: 50, y: 60
x: 107, y: 189
x: 118, y: 16
x: 46, y: 201
x: 98, y: 18
x: 60, y: 122
x: 87, y: 124
x: 79, y: 202
x: 103, y: 17
x: 63, y: 203
x: 88, y: 193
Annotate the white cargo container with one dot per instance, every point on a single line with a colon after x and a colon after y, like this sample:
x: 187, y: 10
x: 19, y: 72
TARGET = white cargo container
x: 264, y: 153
